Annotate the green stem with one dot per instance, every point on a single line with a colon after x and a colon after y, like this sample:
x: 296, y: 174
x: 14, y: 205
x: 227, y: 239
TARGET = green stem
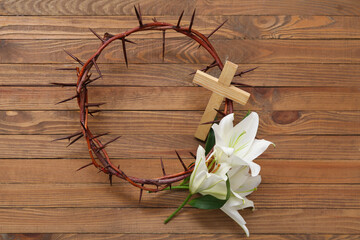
x: 177, y: 187
x: 178, y: 209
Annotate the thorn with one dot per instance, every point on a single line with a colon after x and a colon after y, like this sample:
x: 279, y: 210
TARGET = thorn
x: 100, y: 135
x: 163, y: 45
x: 93, y: 104
x: 95, y: 111
x: 178, y: 23
x: 154, y: 19
x: 67, y: 137
x: 88, y: 77
x: 241, y: 85
x: 141, y: 192
x: 64, y: 84
x: 107, y: 36
x: 75, y: 58
x: 129, y: 41
x: 220, y: 112
x: 97, y: 67
x: 213, y: 64
x: 182, y: 163
x: 162, y: 167
x: 92, y: 80
x: 110, y: 179
x: 124, y: 51
x: 138, y: 15
x: 192, y: 20
x: 73, y: 141
x: 193, y: 155
x: 89, y: 164
x: 243, y: 72
x: 216, y: 29
x: 68, y: 99
x: 104, y: 146
x: 72, y: 69
x: 101, y: 39
x: 211, y: 122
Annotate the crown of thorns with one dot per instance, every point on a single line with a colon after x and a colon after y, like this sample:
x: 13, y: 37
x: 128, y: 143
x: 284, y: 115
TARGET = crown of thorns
x: 99, y: 157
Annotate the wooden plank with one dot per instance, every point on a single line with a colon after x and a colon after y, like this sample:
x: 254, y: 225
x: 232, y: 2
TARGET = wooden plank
x: 294, y: 75
x: 153, y: 236
x: 134, y: 220
x: 176, y: 122
x: 268, y: 196
x: 30, y: 171
x: 156, y: 146
x: 163, y: 7
x: 184, y: 51
x: 237, y: 27
x: 180, y: 98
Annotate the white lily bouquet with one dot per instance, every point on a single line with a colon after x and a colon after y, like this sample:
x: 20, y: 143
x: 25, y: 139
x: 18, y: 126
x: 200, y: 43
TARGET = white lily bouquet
x: 224, y: 173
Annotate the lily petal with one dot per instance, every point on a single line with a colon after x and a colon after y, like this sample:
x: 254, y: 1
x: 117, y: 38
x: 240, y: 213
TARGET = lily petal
x: 227, y: 150
x: 218, y: 190
x: 256, y: 149
x: 255, y: 168
x: 235, y: 215
x: 249, y: 186
x: 238, y: 176
x: 223, y: 129
x: 244, y: 134
x: 199, y: 174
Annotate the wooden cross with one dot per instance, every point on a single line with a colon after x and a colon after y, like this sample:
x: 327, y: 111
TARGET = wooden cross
x: 221, y: 89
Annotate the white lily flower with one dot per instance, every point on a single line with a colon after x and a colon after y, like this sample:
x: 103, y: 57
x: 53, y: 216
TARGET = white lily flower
x: 241, y: 184
x: 236, y: 145
x: 209, y: 176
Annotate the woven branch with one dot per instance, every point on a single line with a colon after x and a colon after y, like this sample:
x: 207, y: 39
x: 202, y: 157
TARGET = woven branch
x: 97, y: 149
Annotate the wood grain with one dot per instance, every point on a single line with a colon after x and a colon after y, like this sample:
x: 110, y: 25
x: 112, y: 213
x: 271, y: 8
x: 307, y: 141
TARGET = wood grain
x: 182, y: 98
x: 120, y: 195
x: 152, y: 236
x: 184, y: 51
x: 276, y: 75
x: 306, y: 91
x: 134, y: 220
x: 274, y: 171
x: 164, y: 7
x: 156, y: 146
x: 236, y: 27
x: 175, y: 122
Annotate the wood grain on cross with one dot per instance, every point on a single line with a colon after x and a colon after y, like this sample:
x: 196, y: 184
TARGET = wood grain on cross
x: 221, y: 89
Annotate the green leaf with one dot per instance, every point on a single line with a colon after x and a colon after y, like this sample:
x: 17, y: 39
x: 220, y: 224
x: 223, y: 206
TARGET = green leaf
x: 247, y: 114
x: 210, y: 141
x: 228, y: 190
x: 207, y: 202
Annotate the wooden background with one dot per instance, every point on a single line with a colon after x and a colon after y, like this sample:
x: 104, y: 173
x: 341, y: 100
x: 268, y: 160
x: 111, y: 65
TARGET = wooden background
x: 306, y: 91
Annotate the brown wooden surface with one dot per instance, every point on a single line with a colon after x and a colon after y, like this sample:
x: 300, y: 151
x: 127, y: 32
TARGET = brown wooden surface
x: 306, y: 91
